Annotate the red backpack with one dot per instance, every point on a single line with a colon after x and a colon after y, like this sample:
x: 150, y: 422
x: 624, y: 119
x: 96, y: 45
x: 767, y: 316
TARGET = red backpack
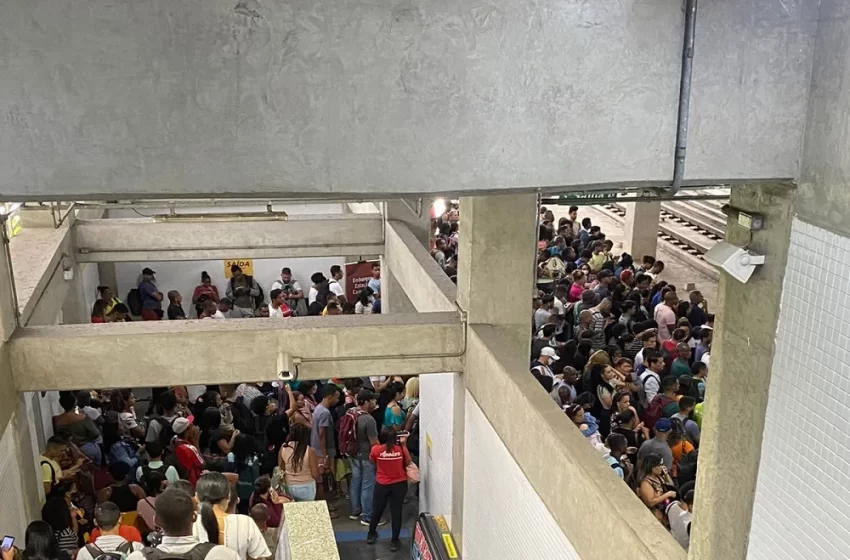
x: 347, y: 432
x: 655, y: 410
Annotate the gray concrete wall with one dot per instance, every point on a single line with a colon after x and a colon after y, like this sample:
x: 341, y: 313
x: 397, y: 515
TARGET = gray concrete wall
x: 823, y: 197
x: 402, y: 96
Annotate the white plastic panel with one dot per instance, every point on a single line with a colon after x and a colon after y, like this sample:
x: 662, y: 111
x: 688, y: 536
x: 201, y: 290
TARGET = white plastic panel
x: 804, y: 475
x: 503, y: 517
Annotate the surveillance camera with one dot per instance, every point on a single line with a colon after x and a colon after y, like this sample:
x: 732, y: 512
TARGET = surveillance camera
x: 738, y: 262
x: 287, y: 367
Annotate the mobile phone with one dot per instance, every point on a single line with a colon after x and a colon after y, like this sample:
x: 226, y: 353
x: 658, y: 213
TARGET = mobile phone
x: 403, y: 434
x: 8, y: 542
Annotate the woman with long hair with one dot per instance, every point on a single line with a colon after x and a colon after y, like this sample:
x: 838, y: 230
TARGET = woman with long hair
x: 391, y: 460
x: 411, y: 394
x: 394, y: 413
x: 98, y: 312
x: 216, y: 525
x: 204, y: 291
x: 655, y: 488
x: 63, y: 518
x: 40, y: 543
x: 300, y: 465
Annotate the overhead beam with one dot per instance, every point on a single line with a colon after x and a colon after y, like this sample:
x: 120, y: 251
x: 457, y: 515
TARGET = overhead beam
x: 425, y: 284
x: 208, y: 351
x: 169, y: 239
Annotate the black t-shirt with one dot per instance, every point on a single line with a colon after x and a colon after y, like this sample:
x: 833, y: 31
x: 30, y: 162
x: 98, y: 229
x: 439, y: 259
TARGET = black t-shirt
x: 175, y: 312
x: 696, y: 316
x: 215, y: 436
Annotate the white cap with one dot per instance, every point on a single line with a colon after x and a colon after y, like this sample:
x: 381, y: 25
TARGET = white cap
x: 549, y: 351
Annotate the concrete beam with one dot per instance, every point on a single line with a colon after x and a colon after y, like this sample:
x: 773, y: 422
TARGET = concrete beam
x: 577, y: 486
x: 417, y: 273
x: 205, y: 351
x: 149, y: 239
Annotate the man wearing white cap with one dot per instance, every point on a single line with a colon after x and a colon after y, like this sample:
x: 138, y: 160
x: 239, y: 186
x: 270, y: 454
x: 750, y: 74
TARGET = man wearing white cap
x: 541, y: 366
x: 186, y: 448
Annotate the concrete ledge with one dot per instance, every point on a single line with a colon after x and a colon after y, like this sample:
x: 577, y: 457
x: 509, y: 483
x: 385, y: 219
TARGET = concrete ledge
x: 418, y: 274
x: 149, y: 239
x: 208, y: 351
x: 580, y: 490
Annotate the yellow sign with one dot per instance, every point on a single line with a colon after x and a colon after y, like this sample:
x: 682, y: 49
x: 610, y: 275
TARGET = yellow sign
x: 451, y: 551
x: 247, y: 266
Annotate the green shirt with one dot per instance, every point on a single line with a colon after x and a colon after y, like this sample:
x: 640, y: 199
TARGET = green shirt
x: 680, y: 368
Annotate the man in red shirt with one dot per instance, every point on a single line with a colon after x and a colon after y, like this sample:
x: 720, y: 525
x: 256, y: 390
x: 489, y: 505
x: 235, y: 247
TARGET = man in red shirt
x: 186, y: 448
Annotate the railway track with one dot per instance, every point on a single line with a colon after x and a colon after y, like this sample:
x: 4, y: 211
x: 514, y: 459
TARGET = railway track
x: 693, y: 226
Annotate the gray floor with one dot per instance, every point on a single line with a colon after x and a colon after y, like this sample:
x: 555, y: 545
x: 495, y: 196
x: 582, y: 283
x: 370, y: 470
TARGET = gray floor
x: 351, y: 535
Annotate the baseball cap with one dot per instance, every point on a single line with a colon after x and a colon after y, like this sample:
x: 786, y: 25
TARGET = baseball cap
x: 180, y: 425
x: 549, y: 351
x: 662, y: 425
x: 148, y: 271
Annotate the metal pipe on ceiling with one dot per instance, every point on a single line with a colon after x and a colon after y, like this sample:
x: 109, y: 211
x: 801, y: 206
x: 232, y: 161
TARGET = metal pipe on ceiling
x: 684, y: 96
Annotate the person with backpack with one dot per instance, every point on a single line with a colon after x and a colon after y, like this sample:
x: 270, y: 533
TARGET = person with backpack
x: 292, y: 291
x: 244, y: 291
x: 156, y: 464
x: 159, y: 429
x: 358, y: 433
x: 216, y: 524
x: 175, y: 516
x: 334, y: 286
x: 650, y: 378
x: 664, y: 404
x: 109, y: 545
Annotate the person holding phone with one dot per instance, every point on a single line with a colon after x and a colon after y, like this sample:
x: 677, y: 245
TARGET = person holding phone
x: 656, y: 488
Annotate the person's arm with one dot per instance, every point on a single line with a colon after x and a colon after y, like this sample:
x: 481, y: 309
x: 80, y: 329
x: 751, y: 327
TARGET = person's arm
x: 137, y: 432
x: 323, y: 442
x: 227, y: 446
x: 138, y: 492
x: 605, y: 397
x: 229, y: 290
x: 196, y: 295
x: 647, y: 494
x: 156, y: 294
x: 255, y: 291
x: 296, y: 294
x: 293, y: 405
x: 216, y: 298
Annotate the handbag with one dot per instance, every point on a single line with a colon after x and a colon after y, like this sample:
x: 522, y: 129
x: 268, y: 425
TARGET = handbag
x: 412, y: 472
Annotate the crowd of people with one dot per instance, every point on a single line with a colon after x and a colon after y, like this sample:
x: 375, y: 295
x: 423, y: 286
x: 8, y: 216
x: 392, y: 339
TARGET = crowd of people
x: 243, y: 298
x: 626, y: 357
x: 216, y: 464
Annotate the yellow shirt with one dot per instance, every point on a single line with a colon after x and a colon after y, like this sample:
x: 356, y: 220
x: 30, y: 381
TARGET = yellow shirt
x: 49, y: 475
x: 111, y: 303
x: 596, y: 262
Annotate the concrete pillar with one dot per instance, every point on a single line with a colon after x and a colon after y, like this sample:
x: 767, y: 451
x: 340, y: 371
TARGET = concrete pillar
x: 415, y: 213
x: 106, y: 274
x: 641, y: 229
x: 75, y: 309
x: 8, y: 312
x: 739, y: 375
x: 496, y: 263
x: 496, y: 260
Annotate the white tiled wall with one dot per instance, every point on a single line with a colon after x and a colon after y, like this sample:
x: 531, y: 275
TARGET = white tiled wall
x: 436, y: 392
x: 803, y: 487
x: 503, y: 516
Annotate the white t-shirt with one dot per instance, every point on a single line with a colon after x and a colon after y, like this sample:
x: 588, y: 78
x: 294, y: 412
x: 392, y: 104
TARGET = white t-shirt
x: 705, y: 358
x: 560, y: 308
x: 360, y: 309
x: 240, y: 535
x: 336, y: 288
x: 276, y: 313
x: 639, y: 358
x: 278, y: 285
x: 180, y: 545
x: 679, y: 521
x: 107, y: 543
x: 312, y: 295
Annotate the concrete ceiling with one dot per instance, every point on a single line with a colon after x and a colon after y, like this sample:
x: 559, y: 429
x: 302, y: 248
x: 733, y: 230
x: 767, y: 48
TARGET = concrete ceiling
x: 148, y: 98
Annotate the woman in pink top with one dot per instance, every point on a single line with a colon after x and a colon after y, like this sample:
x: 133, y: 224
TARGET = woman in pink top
x: 579, y: 281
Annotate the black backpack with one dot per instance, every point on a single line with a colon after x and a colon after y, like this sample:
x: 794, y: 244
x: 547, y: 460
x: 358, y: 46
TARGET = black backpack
x: 134, y: 301
x: 198, y: 552
x: 166, y: 432
x: 258, y: 300
x: 123, y: 550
